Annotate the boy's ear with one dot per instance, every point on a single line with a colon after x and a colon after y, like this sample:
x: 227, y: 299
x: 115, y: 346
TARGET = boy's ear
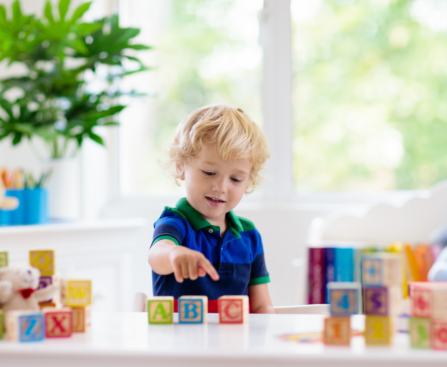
x: 180, y: 169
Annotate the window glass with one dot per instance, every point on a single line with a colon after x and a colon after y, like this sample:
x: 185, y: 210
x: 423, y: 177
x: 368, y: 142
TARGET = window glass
x: 204, y: 52
x: 369, y: 94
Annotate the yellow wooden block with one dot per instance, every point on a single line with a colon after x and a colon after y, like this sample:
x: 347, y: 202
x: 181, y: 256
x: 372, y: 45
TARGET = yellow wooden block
x: 42, y: 260
x: 337, y: 330
x: 378, y: 330
x: 76, y: 293
x: 160, y: 310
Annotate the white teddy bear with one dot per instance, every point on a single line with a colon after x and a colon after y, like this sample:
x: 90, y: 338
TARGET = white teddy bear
x: 18, y: 289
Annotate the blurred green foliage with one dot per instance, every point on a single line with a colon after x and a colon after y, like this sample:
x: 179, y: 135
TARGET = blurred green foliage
x: 370, y: 97
x: 52, y: 100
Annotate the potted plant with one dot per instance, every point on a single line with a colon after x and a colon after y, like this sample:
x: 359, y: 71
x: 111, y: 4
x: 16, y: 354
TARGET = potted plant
x: 54, y: 100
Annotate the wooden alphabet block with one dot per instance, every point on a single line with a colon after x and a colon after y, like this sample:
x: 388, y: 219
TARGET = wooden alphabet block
x: 25, y: 326
x: 45, y: 281
x: 193, y: 309
x: 381, y: 269
x: 378, y: 330
x: 160, y: 310
x: 382, y: 301
x: 43, y: 305
x: 439, y: 335
x: 3, y: 259
x: 344, y: 298
x: 42, y: 260
x: 233, y: 309
x: 429, y: 300
x: 81, y: 319
x: 76, y: 293
x: 337, y: 330
x: 2, y: 324
x: 420, y: 332
x: 58, y: 322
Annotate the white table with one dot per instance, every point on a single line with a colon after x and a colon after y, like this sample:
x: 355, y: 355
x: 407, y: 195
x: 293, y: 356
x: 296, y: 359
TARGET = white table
x: 126, y: 339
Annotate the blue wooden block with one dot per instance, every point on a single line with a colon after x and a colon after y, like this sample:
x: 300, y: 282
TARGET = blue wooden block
x: 344, y: 298
x: 31, y: 327
x: 193, y: 309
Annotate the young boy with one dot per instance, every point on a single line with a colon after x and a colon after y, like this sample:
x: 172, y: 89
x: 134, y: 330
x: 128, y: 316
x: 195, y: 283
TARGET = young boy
x: 201, y: 247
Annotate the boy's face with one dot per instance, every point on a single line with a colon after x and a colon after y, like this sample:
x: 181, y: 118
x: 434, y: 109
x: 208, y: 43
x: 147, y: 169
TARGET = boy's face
x: 214, y: 186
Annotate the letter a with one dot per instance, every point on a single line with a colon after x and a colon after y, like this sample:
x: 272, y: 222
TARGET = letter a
x: 160, y: 310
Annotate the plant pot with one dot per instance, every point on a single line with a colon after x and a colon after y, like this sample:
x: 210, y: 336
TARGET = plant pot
x: 64, y: 189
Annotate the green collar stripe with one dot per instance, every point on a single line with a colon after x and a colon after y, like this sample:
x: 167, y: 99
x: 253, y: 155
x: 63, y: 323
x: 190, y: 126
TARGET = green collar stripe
x: 197, y: 222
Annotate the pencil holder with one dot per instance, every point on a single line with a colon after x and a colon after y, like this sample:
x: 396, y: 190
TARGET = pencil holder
x: 16, y: 216
x: 5, y: 217
x: 36, y: 206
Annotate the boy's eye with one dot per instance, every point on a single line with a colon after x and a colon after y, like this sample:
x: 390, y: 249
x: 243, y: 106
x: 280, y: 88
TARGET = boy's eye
x: 235, y: 179
x: 208, y: 173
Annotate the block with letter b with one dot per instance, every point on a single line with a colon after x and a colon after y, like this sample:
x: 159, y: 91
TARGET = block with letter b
x: 160, y: 310
x: 192, y: 309
x: 381, y: 269
x: 439, y: 335
x: 58, y: 322
x: 81, y: 319
x: 76, y: 293
x: 233, y: 309
x: 378, y: 330
x: 337, y: 330
x: 25, y: 326
x: 42, y: 260
x: 420, y: 332
x: 382, y: 301
x: 344, y: 298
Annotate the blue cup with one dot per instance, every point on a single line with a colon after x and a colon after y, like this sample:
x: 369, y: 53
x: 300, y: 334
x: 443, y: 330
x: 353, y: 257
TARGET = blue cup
x: 5, y: 217
x: 16, y: 216
x: 36, y: 206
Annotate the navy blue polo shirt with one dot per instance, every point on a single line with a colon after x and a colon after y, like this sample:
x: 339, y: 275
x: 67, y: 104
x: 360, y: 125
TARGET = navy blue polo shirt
x: 238, y: 256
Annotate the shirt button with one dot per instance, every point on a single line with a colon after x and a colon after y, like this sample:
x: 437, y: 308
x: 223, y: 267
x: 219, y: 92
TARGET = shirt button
x: 221, y: 249
x: 210, y: 230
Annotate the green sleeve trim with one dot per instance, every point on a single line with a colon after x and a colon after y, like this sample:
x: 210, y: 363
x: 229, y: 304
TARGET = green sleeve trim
x: 247, y: 224
x: 159, y: 238
x: 260, y: 280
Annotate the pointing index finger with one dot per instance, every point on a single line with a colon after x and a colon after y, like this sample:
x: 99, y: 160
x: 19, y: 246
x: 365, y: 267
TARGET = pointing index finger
x: 206, y: 265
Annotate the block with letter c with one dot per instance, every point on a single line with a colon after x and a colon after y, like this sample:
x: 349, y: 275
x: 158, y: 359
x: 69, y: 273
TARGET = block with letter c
x: 233, y: 309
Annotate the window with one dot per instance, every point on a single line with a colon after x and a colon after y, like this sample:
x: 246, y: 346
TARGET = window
x: 369, y: 94
x: 205, y: 51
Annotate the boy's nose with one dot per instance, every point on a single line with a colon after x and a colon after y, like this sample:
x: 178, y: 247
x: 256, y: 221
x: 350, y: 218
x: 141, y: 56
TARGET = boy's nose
x: 220, y: 186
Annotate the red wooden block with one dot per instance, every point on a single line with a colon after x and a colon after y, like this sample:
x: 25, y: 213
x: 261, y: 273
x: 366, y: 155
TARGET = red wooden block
x: 337, y: 330
x: 233, y: 309
x: 421, y: 302
x: 439, y: 335
x: 58, y: 323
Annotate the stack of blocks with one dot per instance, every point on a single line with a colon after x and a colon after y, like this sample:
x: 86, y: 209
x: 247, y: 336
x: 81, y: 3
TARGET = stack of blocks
x: 428, y: 321
x: 194, y: 309
x: 345, y: 300
x: 382, y: 282
x: 52, y: 321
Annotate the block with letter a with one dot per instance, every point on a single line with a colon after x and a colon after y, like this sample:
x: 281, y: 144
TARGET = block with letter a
x: 337, y: 330
x: 58, y: 322
x: 160, y: 310
x: 233, y: 309
x: 42, y: 260
x: 193, y: 309
x: 76, y: 293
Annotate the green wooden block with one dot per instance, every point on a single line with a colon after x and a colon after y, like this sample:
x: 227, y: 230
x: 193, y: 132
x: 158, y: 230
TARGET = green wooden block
x: 160, y: 310
x: 3, y: 259
x: 420, y: 330
x: 2, y: 324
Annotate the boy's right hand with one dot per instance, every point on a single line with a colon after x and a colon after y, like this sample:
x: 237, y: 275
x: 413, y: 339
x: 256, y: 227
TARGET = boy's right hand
x: 190, y: 264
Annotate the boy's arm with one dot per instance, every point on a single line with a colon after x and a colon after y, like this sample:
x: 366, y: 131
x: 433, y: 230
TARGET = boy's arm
x: 260, y: 301
x: 165, y: 257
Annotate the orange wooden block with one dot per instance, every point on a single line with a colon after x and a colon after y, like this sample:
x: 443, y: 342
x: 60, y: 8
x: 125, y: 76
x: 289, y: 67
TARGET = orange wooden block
x: 42, y: 260
x: 337, y: 330
x: 81, y: 319
x: 233, y: 309
x: 439, y: 335
x: 378, y: 330
x: 58, y: 322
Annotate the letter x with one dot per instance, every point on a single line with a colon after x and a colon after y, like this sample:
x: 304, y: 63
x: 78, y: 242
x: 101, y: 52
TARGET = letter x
x: 58, y: 324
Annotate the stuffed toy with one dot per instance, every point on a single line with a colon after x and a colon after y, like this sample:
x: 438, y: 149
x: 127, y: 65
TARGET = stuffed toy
x: 6, y: 202
x: 18, y: 289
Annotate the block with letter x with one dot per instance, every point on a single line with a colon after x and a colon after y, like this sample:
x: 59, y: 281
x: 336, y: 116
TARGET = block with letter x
x: 233, y: 309
x: 58, y: 322
x: 193, y: 309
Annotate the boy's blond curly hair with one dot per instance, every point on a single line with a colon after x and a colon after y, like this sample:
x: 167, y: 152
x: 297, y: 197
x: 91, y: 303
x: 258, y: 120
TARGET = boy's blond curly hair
x: 236, y: 137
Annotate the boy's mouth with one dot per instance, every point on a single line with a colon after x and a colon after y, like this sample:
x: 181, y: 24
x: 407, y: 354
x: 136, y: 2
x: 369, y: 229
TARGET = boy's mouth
x: 214, y: 201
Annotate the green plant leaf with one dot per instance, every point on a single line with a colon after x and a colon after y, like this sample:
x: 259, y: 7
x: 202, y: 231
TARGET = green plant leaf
x: 95, y: 138
x: 49, y: 12
x: 63, y: 8
x: 111, y: 123
x: 79, y: 12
